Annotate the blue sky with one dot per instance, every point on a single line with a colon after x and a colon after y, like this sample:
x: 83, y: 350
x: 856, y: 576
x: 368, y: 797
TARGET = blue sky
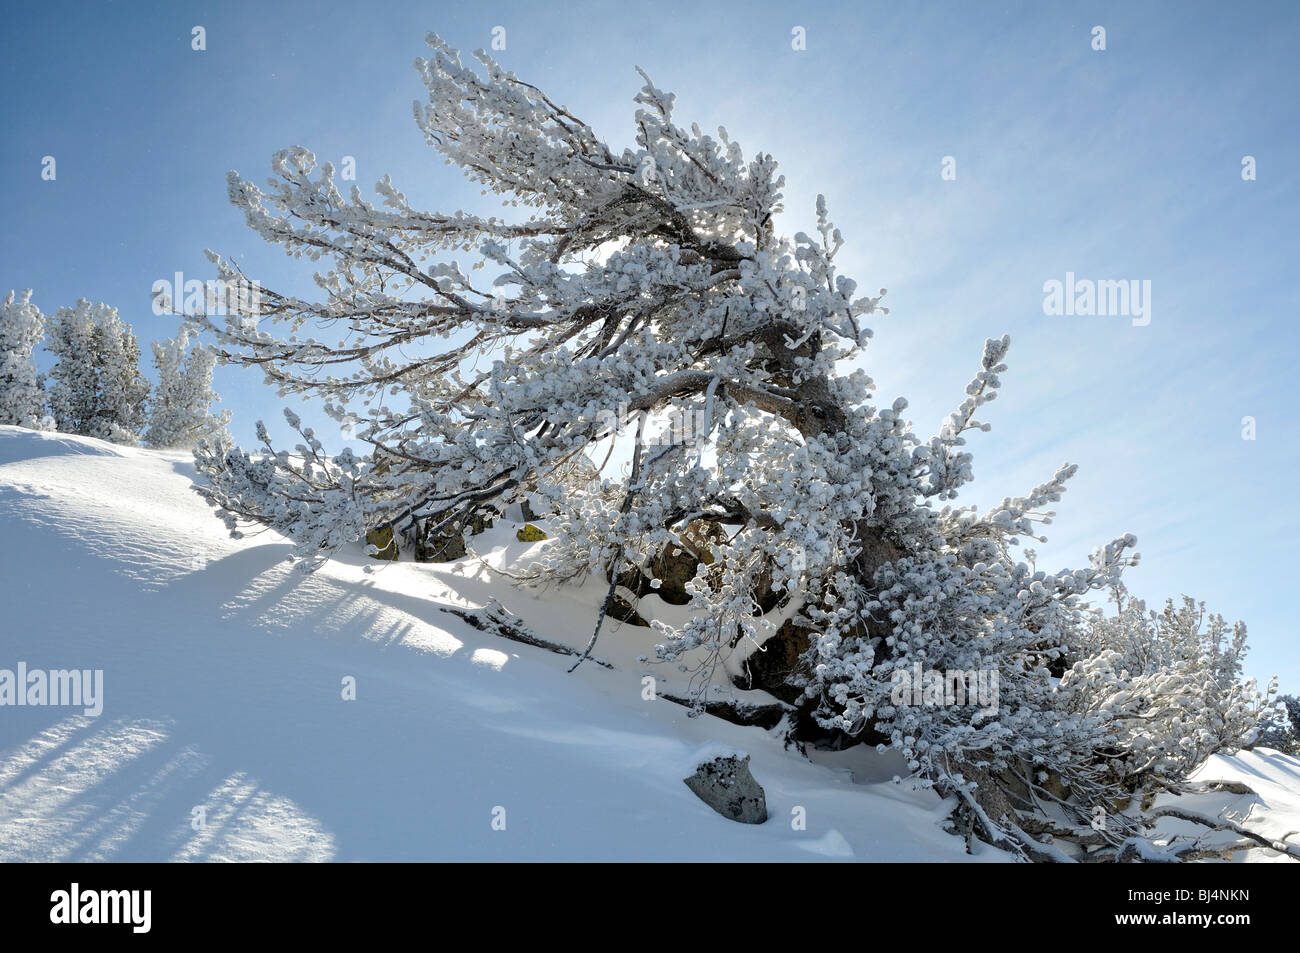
x: 1122, y: 164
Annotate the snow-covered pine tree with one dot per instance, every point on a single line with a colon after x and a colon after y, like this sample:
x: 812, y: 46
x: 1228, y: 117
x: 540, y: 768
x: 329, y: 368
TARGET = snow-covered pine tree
x: 22, y: 393
x: 123, y: 388
x: 98, y: 390
x: 74, y: 385
x: 180, y: 409
x: 652, y: 281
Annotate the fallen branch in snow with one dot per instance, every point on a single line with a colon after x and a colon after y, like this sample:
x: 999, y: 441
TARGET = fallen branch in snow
x: 1217, y: 853
x: 496, y: 619
x: 1225, y: 824
x: 1215, y: 787
x: 1180, y: 788
x: 736, y: 711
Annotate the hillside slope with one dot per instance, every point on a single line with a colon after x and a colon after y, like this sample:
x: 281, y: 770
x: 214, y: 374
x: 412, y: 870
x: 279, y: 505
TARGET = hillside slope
x: 224, y: 734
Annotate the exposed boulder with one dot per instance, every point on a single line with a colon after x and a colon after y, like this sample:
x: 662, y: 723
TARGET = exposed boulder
x: 449, y: 545
x: 677, y: 563
x: 443, y: 548
x: 384, y: 542
x: 726, y: 785
x: 778, y: 667
x: 623, y: 611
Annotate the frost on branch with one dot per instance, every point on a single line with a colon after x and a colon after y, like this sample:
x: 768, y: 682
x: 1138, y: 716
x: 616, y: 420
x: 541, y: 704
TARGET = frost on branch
x: 489, y: 357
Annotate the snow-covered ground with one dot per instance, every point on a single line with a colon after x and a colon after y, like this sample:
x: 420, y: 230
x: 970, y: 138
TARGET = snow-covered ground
x: 225, y: 735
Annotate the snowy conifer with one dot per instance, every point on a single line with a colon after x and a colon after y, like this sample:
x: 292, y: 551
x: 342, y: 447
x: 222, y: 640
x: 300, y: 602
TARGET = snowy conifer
x: 98, y: 390
x: 180, y: 407
x: 647, y: 282
x: 22, y: 396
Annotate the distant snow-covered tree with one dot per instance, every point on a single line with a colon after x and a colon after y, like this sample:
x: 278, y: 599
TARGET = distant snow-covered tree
x: 180, y: 413
x: 98, y: 390
x: 22, y: 395
x: 1284, y: 732
x: 124, y: 389
x: 652, y: 282
x: 74, y: 382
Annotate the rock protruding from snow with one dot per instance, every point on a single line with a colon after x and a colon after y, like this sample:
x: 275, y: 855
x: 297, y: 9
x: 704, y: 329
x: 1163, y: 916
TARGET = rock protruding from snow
x: 726, y: 785
x: 531, y: 534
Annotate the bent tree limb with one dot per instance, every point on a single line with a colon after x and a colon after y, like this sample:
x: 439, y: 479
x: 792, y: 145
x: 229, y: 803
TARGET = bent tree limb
x: 1227, y: 824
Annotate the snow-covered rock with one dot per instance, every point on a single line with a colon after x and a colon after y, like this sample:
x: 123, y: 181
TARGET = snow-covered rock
x: 726, y: 784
